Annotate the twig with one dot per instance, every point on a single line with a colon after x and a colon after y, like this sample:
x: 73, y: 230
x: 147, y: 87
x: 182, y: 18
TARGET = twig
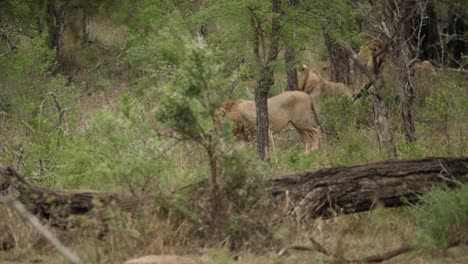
x: 443, y: 169
x: 61, y: 113
x: 42, y: 230
x: 370, y: 259
x: 319, y: 247
x: 384, y: 256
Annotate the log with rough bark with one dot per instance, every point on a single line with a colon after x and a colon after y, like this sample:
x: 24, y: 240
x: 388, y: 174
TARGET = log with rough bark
x: 313, y: 194
x: 361, y: 187
x: 56, y: 205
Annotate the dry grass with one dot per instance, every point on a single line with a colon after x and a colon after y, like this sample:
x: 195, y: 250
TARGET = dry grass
x: 345, y: 237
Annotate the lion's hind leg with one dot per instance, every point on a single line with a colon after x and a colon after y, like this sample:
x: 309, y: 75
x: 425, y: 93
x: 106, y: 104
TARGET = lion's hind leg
x: 313, y: 138
x: 309, y: 137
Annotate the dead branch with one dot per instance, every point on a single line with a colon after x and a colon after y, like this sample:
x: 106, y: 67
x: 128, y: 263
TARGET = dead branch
x: 380, y: 257
x: 42, y: 230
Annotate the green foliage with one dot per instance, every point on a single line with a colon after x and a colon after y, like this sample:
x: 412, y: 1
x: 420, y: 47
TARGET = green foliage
x: 338, y: 18
x: 244, y: 184
x: 156, y: 35
x: 244, y: 178
x: 45, y: 124
x: 296, y: 160
x: 445, y: 105
x: 353, y: 147
x: 339, y: 113
x: 116, y: 150
x: 25, y: 73
x: 192, y: 101
x: 442, y: 217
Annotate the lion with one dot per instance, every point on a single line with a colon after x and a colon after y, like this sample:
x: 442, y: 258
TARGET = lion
x: 310, y: 81
x: 292, y: 107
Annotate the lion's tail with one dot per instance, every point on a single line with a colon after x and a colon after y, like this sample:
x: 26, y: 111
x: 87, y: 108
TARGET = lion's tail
x: 312, y: 107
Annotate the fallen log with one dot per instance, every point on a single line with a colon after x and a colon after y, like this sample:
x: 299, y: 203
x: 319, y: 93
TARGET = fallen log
x: 56, y: 205
x: 344, y: 189
x: 349, y: 189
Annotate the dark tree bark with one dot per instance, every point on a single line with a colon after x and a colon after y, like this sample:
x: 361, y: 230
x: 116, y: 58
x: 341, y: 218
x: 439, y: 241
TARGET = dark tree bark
x: 55, y: 25
x: 403, y: 26
x: 430, y: 46
x: 347, y: 189
x: 256, y: 46
x: 291, y: 72
x: 382, y: 125
x: 217, y: 213
x: 292, y: 83
x: 57, y: 205
x: 340, y: 70
x: 385, y: 133
x: 456, y: 46
x: 265, y: 81
x: 361, y: 187
x: 262, y: 90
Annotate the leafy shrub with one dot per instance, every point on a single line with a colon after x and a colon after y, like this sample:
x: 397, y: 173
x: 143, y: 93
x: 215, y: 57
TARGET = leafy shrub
x: 24, y: 75
x: 338, y: 113
x: 442, y: 217
x: 116, y: 150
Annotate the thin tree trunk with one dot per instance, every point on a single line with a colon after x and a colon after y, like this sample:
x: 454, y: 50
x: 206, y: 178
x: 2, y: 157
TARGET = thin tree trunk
x: 292, y: 83
x: 380, y: 109
x: 401, y: 54
x: 291, y: 73
x: 261, y: 105
x: 404, y: 82
x: 256, y: 46
x: 381, y: 122
x: 217, y: 213
x: 264, y: 83
x: 430, y: 46
x: 55, y: 24
x: 340, y: 70
x: 456, y: 45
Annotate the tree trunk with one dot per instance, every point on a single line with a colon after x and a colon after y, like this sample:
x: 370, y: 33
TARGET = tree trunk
x: 456, y: 45
x: 265, y: 81
x: 261, y: 105
x: 401, y: 27
x: 340, y: 70
x: 430, y: 46
x: 404, y: 82
x: 256, y: 40
x: 55, y: 25
x: 292, y: 83
x: 382, y: 125
x: 362, y: 187
x: 291, y: 73
x: 217, y: 213
x: 401, y: 55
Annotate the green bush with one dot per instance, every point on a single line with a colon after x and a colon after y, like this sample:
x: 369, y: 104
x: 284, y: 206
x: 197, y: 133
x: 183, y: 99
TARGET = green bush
x: 442, y: 217
x: 338, y: 113
x: 25, y: 73
x: 116, y: 150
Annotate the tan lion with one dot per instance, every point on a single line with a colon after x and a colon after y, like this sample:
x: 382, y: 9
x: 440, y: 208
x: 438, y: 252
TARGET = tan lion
x: 310, y: 81
x: 293, y: 107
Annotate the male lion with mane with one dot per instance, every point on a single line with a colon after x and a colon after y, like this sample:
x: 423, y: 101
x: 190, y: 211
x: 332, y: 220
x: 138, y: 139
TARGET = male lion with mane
x: 293, y: 107
x: 310, y: 81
